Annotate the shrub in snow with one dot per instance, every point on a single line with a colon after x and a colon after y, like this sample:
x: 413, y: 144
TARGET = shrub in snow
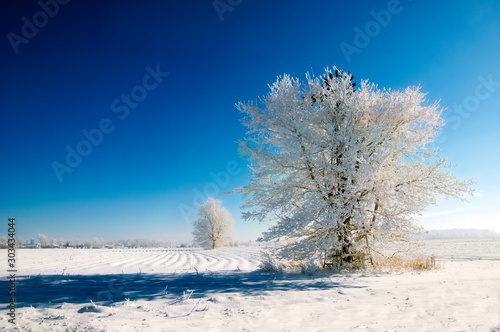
x: 270, y: 264
x: 309, y: 268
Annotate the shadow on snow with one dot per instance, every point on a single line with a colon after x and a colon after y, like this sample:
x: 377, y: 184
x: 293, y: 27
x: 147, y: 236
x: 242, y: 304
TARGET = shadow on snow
x: 51, y: 290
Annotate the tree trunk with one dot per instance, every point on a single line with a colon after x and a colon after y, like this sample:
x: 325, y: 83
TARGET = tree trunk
x: 366, y: 232
x: 346, y: 251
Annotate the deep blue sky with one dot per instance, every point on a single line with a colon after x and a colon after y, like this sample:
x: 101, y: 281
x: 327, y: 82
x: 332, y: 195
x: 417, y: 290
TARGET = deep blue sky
x: 64, y: 80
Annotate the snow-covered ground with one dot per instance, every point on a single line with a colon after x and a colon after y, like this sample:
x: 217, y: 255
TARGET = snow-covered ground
x: 222, y: 290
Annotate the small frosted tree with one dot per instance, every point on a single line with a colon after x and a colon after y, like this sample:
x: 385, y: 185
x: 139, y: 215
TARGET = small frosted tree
x: 341, y: 171
x: 43, y: 240
x: 214, y: 226
x: 98, y: 242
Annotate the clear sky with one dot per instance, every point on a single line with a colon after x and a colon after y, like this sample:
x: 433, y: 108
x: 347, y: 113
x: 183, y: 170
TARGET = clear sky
x: 116, y: 117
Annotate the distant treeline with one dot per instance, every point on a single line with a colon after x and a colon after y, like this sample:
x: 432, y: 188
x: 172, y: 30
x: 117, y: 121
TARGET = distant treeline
x: 43, y: 241
x: 460, y: 234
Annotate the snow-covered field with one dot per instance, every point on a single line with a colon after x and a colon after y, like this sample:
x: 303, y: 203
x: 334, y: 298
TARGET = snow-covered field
x: 222, y: 290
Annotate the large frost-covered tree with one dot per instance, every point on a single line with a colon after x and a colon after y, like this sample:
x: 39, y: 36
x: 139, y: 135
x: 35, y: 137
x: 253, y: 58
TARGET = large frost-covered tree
x: 341, y: 170
x: 214, y: 226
